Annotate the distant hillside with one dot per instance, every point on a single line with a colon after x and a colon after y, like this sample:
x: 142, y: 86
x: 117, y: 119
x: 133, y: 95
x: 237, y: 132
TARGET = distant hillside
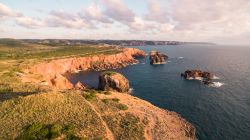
x: 54, y: 42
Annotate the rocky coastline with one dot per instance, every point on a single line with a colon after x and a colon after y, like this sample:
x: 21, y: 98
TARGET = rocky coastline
x: 52, y: 73
x: 159, y: 123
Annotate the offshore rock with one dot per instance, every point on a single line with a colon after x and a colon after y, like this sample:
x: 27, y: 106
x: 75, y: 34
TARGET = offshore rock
x: 157, y: 57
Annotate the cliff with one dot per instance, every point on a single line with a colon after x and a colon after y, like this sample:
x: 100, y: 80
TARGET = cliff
x: 95, y: 114
x: 53, y: 71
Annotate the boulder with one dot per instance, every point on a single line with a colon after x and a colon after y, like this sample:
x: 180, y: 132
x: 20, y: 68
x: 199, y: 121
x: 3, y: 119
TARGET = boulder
x: 157, y: 57
x: 113, y: 81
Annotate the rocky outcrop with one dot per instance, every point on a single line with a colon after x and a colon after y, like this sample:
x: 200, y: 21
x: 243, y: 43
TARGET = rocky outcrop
x: 197, y: 74
x: 55, y: 69
x: 79, y: 86
x: 113, y: 81
x: 157, y: 57
x: 60, y: 82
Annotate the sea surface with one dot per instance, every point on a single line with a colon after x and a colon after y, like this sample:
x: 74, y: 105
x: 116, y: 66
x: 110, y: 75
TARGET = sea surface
x: 219, y: 112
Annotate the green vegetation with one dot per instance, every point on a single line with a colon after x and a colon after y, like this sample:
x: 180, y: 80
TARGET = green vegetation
x: 17, y: 49
x: 122, y: 107
x: 109, y: 73
x: 64, y: 109
x: 89, y: 95
x: 5, y: 89
x: 126, y: 126
x: 114, y: 104
x: 39, y: 131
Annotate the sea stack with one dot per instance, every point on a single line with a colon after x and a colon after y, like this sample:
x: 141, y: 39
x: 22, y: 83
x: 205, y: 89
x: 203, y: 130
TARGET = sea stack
x: 113, y: 81
x: 206, y: 77
x: 157, y: 57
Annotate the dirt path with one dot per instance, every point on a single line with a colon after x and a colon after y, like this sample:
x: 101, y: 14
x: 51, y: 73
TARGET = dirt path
x: 110, y: 135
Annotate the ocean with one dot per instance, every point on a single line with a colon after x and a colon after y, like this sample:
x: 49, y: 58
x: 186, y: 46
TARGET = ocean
x: 219, y: 112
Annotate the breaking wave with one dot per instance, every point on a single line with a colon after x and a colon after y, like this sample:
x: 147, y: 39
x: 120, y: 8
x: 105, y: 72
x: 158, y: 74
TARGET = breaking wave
x: 217, y: 84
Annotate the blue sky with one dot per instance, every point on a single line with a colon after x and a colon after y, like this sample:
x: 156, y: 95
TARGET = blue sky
x: 219, y: 21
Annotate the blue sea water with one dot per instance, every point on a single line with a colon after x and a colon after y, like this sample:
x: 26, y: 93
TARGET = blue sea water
x: 218, y: 113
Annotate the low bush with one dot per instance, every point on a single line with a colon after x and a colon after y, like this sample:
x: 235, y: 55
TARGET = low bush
x: 5, y: 89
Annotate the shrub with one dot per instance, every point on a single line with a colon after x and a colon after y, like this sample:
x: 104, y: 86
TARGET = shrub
x: 55, y: 130
x: 115, y: 99
x: 122, y: 107
x: 89, y: 96
x: 5, y: 89
x: 36, y: 131
x: 69, y: 129
x: 109, y: 73
x: 107, y: 93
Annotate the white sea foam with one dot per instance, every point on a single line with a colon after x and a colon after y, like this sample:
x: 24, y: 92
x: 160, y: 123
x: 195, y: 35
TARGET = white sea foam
x: 216, y: 84
x: 130, y: 90
x: 169, y: 61
x: 143, y: 63
x: 215, y: 77
x: 180, y: 57
x: 199, y: 78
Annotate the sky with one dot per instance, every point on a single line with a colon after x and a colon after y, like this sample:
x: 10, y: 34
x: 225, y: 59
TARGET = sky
x: 217, y: 21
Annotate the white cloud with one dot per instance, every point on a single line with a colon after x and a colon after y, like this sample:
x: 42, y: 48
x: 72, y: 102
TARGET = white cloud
x: 5, y: 11
x: 93, y: 12
x: 29, y: 22
x: 117, y: 10
x: 157, y: 11
x: 68, y: 20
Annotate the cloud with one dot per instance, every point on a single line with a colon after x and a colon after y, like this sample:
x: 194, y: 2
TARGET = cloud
x: 117, y: 10
x: 93, y: 12
x: 157, y: 12
x: 68, y: 20
x: 29, y: 22
x: 6, y: 12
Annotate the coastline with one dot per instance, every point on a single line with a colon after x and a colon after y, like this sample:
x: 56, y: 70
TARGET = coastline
x: 162, y: 124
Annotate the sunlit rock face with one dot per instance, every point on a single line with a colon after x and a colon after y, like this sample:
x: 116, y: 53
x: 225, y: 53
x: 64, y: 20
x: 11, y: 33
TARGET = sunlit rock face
x: 113, y: 81
x: 157, y: 57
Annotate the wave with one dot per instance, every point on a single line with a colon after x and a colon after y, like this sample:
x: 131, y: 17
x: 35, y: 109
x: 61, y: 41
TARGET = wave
x: 180, y: 57
x: 143, y: 63
x: 169, y: 61
x: 217, y: 84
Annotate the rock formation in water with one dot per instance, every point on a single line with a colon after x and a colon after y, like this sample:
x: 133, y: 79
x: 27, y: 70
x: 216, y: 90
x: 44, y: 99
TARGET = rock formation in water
x: 113, y: 81
x: 157, y: 57
x: 206, y: 77
x: 50, y: 71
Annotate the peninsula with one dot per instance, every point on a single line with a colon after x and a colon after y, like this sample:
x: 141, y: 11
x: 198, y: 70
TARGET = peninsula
x: 39, y: 102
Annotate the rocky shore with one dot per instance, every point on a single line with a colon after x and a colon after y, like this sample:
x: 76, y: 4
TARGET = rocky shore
x: 205, y: 77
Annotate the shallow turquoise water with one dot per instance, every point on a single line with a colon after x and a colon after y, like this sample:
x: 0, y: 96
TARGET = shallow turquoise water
x: 221, y: 113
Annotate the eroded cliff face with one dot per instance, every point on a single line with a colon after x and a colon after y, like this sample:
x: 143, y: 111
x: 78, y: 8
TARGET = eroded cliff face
x: 53, y: 71
x: 113, y: 81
